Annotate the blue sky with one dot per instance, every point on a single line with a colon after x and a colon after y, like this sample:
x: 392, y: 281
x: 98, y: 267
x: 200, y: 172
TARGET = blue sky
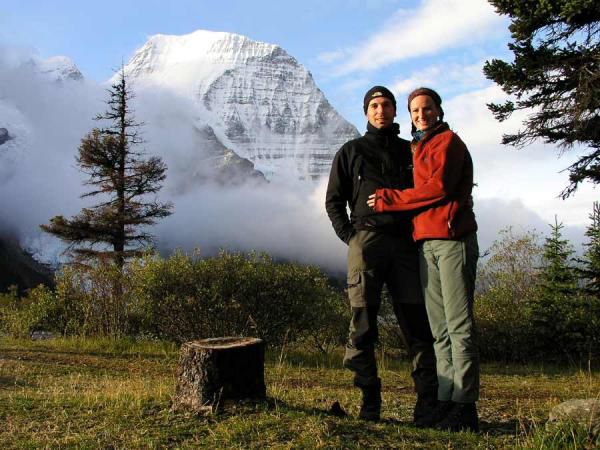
x: 335, y: 39
x: 349, y: 46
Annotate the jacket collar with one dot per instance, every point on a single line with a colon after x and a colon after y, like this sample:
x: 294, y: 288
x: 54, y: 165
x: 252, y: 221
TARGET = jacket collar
x: 391, y: 131
x: 442, y: 126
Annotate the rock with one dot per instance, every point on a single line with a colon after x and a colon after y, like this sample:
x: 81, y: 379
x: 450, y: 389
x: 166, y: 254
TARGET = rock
x: 41, y: 335
x: 4, y: 136
x: 585, y: 412
x: 337, y: 410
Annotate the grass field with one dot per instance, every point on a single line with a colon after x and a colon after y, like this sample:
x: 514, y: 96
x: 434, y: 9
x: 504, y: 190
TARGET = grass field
x: 68, y: 393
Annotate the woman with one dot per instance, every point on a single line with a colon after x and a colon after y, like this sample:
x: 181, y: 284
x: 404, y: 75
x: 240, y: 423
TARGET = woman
x: 445, y: 227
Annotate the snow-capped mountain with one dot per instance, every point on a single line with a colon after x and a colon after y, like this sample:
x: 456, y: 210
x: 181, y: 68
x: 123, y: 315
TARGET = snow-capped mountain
x: 57, y: 68
x: 60, y: 68
x: 220, y: 109
x: 257, y: 99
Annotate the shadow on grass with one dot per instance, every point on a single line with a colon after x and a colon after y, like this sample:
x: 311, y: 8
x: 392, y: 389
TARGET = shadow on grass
x: 332, y: 411
x: 505, y: 428
x: 499, y: 428
x: 7, y: 382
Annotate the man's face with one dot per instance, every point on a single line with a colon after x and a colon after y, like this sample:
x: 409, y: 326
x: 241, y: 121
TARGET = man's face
x: 381, y: 112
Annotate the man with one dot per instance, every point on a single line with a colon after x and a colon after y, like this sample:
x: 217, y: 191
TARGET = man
x: 381, y: 251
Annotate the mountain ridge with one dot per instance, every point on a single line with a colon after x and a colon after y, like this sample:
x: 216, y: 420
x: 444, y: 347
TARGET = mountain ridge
x: 261, y: 103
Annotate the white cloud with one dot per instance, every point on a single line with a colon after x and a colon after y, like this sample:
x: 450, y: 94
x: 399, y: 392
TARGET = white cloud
x: 331, y: 57
x: 286, y: 218
x: 533, y: 175
x: 496, y: 214
x: 452, y: 76
x: 354, y: 84
x: 435, y: 25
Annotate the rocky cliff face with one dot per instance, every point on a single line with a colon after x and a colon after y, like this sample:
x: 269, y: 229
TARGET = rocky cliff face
x: 18, y: 268
x: 221, y: 165
x: 259, y: 101
x: 4, y: 136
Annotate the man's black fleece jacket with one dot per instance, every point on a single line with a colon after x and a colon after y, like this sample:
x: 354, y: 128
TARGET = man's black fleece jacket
x: 379, y: 159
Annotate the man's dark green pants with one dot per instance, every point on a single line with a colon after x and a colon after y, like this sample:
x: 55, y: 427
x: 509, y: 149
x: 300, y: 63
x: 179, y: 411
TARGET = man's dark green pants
x: 375, y: 259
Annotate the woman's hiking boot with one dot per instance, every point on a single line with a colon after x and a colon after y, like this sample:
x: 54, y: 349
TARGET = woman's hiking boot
x: 461, y: 417
x: 424, y: 406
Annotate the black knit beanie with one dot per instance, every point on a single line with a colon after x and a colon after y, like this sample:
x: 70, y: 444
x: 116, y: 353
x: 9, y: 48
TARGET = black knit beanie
x: 430, y: 93
x: 378, y: 91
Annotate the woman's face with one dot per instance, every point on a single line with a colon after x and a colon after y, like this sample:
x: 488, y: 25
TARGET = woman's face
x: 423, y: 112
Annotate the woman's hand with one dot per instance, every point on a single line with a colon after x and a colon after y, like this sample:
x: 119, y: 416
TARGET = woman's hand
x: 371, y: 201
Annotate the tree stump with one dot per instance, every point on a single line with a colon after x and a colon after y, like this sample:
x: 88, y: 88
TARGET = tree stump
x: 212, y: 370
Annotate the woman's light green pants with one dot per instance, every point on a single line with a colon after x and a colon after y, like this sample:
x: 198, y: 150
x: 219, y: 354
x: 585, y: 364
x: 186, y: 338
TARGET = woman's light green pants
x: 448, y: 269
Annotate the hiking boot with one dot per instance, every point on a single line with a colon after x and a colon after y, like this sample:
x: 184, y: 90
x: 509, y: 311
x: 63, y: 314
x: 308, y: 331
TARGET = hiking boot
x: 462, y: 417
x: 426, y: 403
x: 370, y: 409
x: 437, y: 414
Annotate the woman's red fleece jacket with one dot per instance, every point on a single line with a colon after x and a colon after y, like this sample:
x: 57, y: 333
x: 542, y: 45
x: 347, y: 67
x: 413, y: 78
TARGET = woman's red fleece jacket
x: 443, y: 180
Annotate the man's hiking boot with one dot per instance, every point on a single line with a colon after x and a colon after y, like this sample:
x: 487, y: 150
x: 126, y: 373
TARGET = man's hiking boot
x: 426, y: 403
x: 370, y: 408
x: 435, y: 415
x: 462, y: 417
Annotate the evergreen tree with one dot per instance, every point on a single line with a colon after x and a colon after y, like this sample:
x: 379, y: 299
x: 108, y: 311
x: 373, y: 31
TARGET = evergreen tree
x: 559, y: 313
x: 122, y: 178
x: 590, y: 264
x: 555, y: 75
x: 558, y: 277
x: 590, y: 275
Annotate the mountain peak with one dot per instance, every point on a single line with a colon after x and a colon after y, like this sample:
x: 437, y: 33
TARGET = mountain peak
x: 204, y: 53
x: 60, y: 68
x: 260, y: 101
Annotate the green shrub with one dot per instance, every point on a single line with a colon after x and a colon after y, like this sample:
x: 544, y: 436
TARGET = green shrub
x: 20, y: 316
x: 504, y: 326
x: 507, y: 283
x: 183, y: 298
x: 94, y: 300
x: 566, y: 327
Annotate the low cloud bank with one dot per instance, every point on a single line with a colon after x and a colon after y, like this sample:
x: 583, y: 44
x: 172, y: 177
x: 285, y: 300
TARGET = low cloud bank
x: 285, y: 218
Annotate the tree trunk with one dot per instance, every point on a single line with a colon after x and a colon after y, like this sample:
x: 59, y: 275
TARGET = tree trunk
x: 212, y: 370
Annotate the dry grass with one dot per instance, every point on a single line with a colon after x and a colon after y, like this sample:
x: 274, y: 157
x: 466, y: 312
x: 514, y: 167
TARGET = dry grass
x: 117, y: 394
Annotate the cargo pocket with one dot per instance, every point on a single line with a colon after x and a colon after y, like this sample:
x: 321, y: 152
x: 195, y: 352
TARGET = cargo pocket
x: 356, y: 290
